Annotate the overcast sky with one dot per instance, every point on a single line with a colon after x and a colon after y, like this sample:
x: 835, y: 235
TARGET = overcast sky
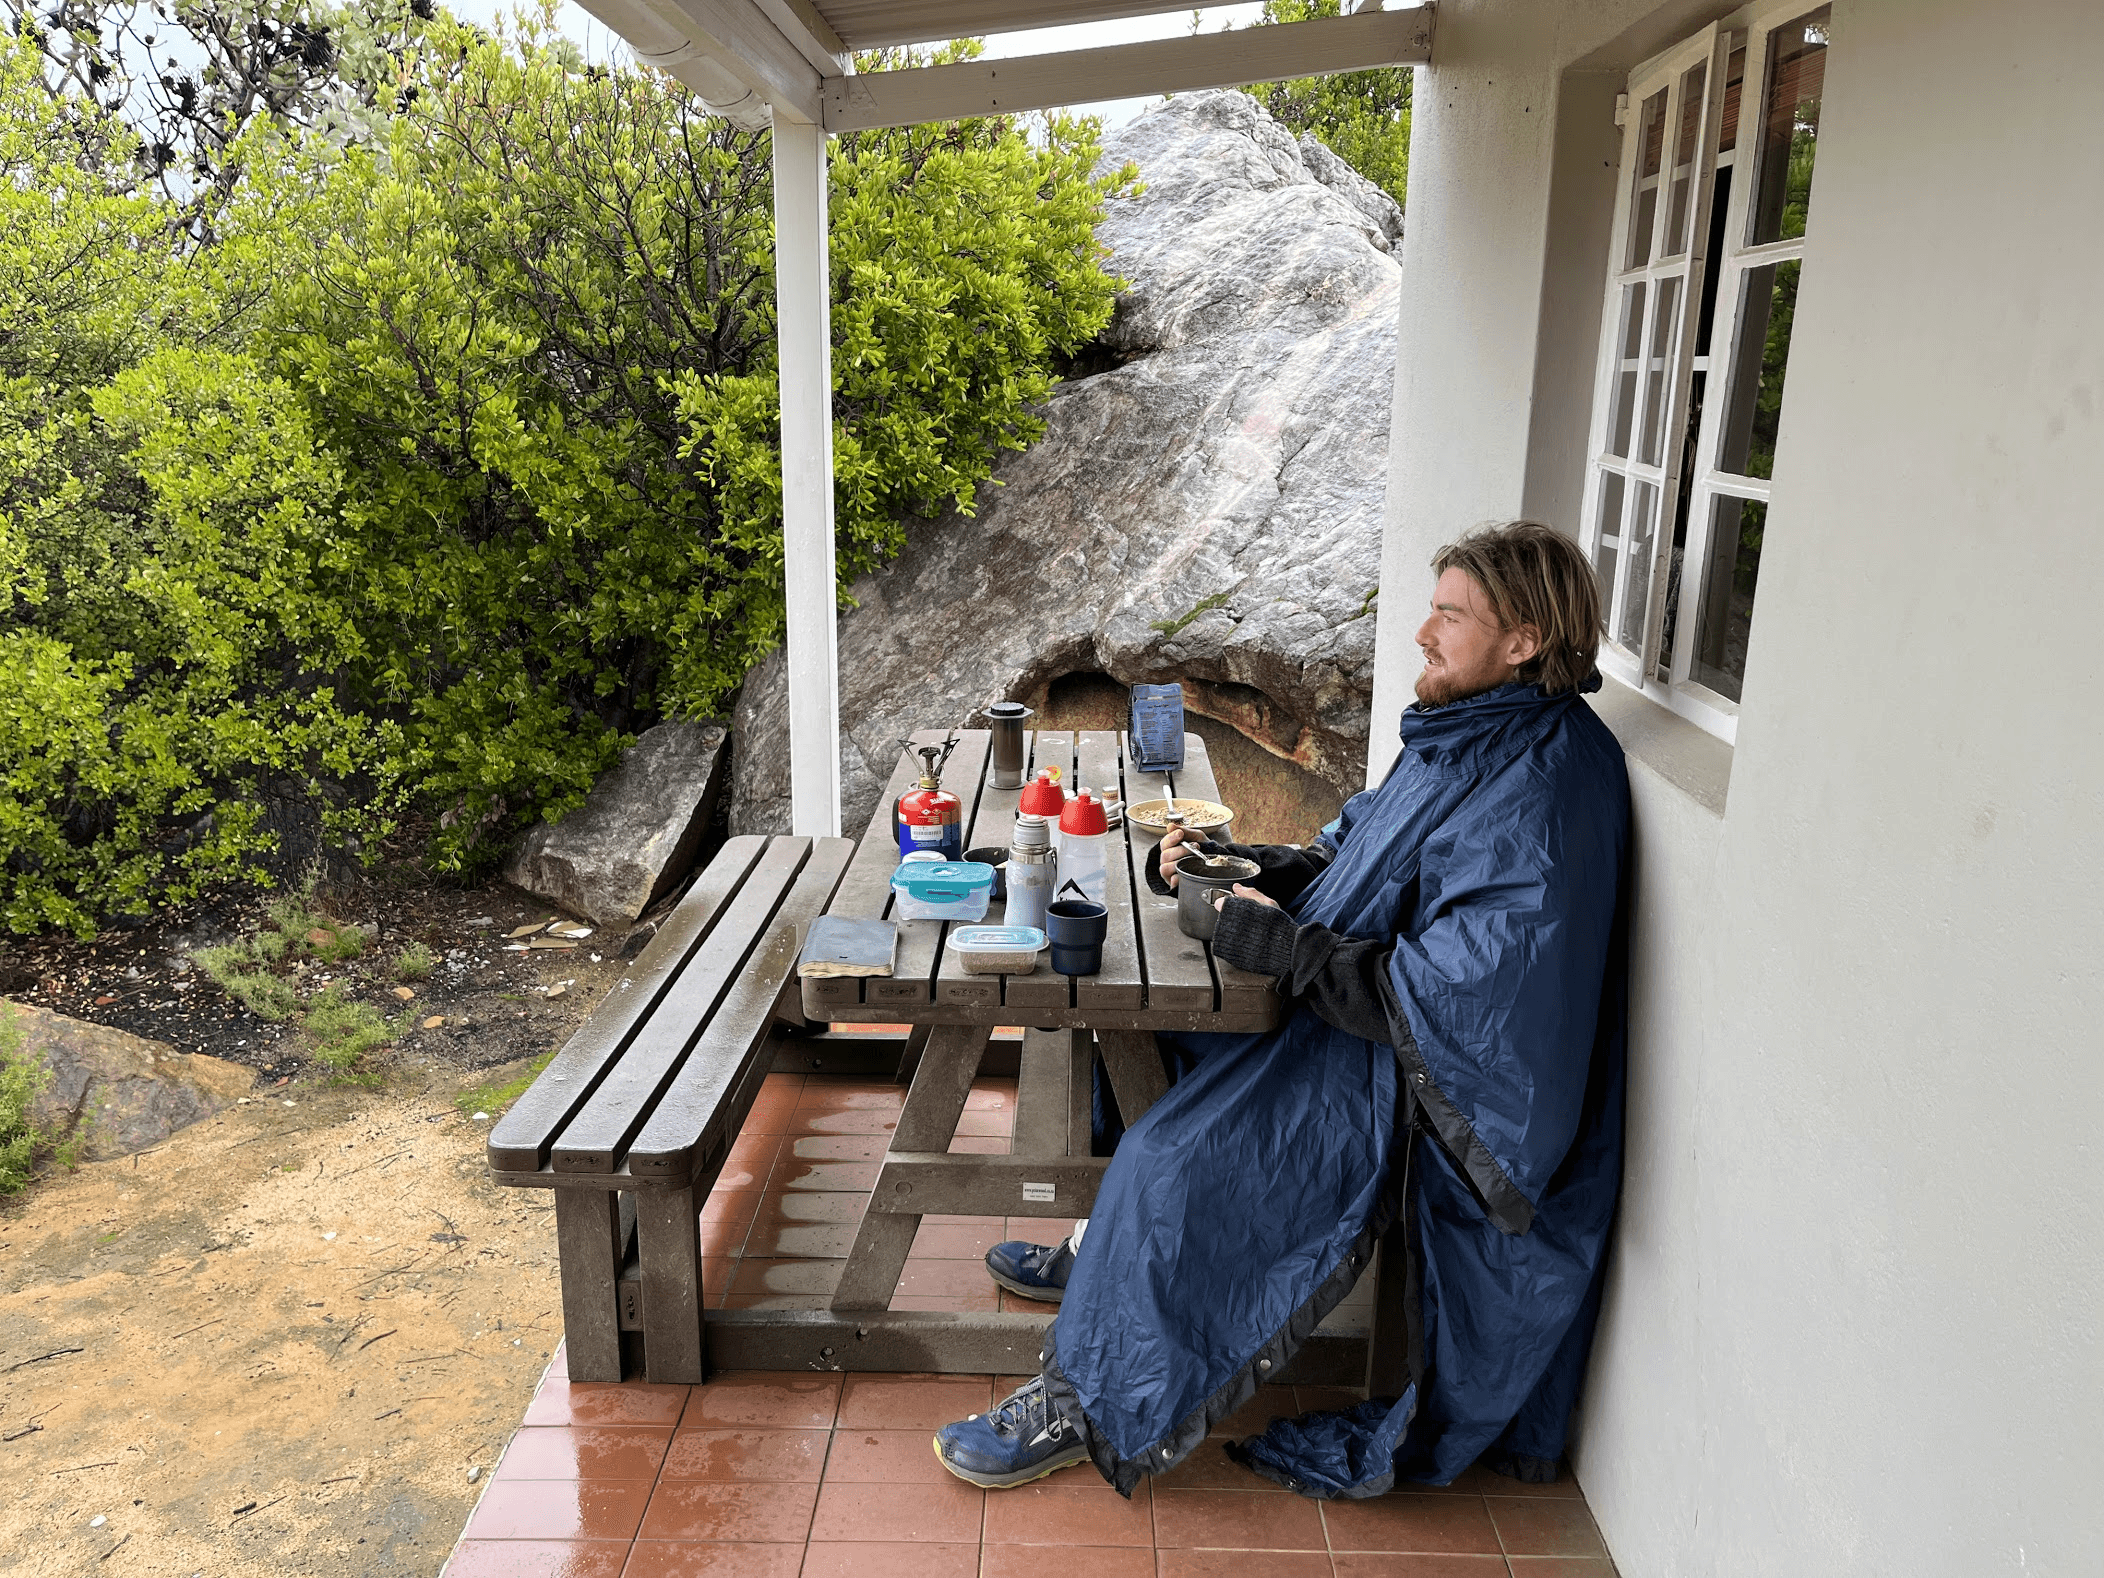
x: 599, y: 43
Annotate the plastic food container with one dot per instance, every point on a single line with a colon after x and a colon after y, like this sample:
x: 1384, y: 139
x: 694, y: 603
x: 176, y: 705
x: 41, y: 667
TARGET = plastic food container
x: 941, y: 890
x: 997, y: 950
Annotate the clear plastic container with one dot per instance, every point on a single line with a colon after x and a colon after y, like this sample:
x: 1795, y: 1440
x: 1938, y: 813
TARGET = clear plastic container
x: 997, y: 950
x: 941, y: 890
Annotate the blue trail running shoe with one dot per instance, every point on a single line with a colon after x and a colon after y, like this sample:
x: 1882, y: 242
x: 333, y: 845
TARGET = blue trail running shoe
x: 1021, y: 1439
x: 1035, y: 1271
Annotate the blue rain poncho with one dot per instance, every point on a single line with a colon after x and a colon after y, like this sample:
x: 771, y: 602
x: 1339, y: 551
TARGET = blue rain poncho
x: 1240, y: 1210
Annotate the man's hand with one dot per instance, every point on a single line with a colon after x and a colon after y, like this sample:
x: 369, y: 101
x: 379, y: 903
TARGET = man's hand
x: 1242, y: 891
x: 1172, y: 851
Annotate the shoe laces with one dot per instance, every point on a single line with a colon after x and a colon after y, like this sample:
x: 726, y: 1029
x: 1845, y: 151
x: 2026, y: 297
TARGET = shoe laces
x: 1044, y: 1257
x: 1023, y: 1412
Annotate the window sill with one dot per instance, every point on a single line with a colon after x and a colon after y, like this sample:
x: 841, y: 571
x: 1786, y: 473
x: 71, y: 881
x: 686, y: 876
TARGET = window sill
x: 1696, y: 763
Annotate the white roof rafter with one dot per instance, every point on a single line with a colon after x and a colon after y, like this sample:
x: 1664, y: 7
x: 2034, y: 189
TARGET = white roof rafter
x: 792, y: 58
x: 1171, y: 65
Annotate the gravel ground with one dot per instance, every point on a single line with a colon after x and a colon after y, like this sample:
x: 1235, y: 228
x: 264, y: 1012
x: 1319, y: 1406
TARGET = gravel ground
x: 278, y: 1342
x: 495, y: 999
x: 275, y: 1344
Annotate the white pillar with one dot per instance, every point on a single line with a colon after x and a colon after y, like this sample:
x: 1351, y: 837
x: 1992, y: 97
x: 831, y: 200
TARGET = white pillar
x: 803, y: 312
x: 1481, y: 146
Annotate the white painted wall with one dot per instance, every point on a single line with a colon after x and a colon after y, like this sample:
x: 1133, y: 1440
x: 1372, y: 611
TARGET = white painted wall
x: 1854, y: 1326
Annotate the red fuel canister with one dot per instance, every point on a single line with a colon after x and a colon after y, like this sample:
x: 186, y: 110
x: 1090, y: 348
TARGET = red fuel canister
x: 930, y: 817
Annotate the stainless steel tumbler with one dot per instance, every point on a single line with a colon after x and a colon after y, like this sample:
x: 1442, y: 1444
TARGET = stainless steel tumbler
x: 1007, y: 719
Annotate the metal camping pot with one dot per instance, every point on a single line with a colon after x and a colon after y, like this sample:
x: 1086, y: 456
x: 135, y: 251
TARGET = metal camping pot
x: 1007, y: 719
x: 1197, y: 879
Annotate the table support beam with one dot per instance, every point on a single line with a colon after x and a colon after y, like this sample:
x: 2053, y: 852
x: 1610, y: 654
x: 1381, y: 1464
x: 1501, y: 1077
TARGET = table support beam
x: 942, y: 1343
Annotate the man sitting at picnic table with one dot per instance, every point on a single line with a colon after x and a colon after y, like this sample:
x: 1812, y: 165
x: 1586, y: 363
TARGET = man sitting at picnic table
x: 1451, y: 954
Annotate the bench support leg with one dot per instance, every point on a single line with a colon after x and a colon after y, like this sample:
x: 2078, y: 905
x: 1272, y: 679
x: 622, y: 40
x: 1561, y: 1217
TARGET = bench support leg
x: 588, y: 1246
x: 927, y: 1122
x: 668, y: 1237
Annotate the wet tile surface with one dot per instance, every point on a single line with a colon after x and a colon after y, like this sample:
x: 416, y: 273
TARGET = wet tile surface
x: 760, y: 1513
x: 1071, y: 1508
x: 825, y: 1476
x: 742, y: 1456
x: 712, y: 1559
x: 538, y: 1559
x: 585, y: 1452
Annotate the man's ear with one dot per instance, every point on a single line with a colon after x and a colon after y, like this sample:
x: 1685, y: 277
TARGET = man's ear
x: 1522, y: 645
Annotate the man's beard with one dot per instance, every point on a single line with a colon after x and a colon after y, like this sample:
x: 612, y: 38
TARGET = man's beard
x: 1443, y: 690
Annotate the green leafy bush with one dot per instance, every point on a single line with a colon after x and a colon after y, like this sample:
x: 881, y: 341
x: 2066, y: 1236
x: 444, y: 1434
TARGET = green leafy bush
x: 450, y: 465
x: 539, y: 332
x: 163, y: 512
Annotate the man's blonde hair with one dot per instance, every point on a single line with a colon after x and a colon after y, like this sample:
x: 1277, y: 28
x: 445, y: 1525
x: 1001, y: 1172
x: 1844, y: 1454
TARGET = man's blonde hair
x: 1535, y: 576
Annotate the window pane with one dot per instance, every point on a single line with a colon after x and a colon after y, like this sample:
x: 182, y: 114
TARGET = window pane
x: 1627, y: 357
x: 1720, y: 205
x: 1790, y: 126
x: 1606, y: 547
x: 1727, y: 594
x: 1643, y: 527
x: 1734, y: 87
x: 1677, y: 213
x: 1651, y: 150
x: 1759, y: 361
x: 1665, y: 331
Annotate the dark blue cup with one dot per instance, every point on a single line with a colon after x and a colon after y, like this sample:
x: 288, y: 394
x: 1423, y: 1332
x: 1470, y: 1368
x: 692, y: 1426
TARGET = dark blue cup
x: 1077, y: 929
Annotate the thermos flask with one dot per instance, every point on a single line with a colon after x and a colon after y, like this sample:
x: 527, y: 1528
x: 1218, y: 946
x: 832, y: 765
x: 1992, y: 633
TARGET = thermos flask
x: 1033, y: 872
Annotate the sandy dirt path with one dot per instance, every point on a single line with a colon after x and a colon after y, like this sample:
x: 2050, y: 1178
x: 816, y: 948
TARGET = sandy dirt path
x: 296, y: 1328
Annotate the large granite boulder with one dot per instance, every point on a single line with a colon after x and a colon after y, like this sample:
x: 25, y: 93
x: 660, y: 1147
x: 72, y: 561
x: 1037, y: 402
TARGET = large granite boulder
x: 119, y: 1093
x: 637, y: 832
x: 1204, y: 508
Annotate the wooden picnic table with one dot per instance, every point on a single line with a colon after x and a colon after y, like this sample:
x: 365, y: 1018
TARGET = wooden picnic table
x: 1153, y: 978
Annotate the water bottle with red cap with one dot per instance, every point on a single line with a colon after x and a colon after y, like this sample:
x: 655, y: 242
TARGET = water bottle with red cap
x: 1084, y: 852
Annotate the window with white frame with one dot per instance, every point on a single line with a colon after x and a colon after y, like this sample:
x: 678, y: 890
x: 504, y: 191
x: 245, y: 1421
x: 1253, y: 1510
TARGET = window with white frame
x: 1718, y: 146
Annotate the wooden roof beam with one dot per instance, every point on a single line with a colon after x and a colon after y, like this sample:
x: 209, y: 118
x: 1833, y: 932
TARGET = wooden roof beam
x: 1360, y: 42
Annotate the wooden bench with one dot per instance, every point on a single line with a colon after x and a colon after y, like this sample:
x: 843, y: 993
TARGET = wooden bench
x: 631, y: 1122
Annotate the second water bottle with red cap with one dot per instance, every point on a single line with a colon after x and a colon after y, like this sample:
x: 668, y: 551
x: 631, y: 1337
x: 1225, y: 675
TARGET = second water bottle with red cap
x: 1084, y: 856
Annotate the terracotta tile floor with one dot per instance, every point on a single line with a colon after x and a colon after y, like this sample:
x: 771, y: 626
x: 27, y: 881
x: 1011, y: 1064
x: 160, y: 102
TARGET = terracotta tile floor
x: 813, y: 1476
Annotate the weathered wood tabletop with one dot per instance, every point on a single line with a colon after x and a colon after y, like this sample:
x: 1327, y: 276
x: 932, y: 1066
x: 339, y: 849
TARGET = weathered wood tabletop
x: 1153, y: 976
